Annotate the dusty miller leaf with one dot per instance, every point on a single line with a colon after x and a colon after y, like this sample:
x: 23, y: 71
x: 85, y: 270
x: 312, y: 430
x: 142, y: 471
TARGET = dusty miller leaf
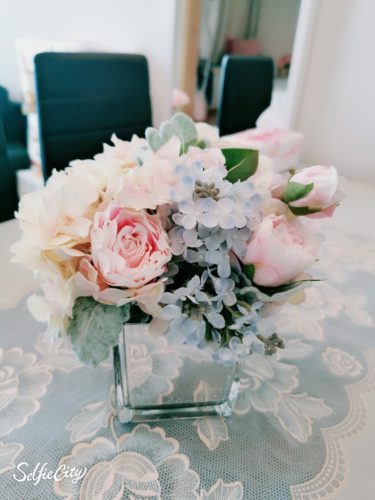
x: 180, y: 126
x: 95, y: 328
x: 154, y: 138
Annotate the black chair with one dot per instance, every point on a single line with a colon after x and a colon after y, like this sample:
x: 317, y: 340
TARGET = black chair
x: 245, y: 91
x: 14, y: 123
x: 8, y: 188
x: 83, y: 98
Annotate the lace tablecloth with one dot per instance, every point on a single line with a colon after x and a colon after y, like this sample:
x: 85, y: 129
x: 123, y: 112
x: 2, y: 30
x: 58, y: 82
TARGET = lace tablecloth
x: 302, y: 429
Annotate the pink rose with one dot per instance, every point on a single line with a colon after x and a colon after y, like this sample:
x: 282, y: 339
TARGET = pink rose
x: 324, y: 196
x: 280, y: 250
x: 129, y: 248
x: 88, y: 283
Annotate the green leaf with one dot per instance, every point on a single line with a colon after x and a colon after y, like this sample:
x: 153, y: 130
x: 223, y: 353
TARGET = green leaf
x: 249, y: 270
x: 200, y: 144
x: 272, y: 294
x: 303, y: 210
x: 295, y: 191
x: 95, y: 328
x: 240, y: 163
x: 283, y: 288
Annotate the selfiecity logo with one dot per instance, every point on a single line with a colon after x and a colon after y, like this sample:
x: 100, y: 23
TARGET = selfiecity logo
x: 41, y: 472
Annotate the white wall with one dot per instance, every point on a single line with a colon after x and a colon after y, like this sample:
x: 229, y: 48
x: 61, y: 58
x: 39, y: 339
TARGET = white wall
x: 277, y: 25
x: 337, y: 105
x: 180, y: 12
x: 142, y: 26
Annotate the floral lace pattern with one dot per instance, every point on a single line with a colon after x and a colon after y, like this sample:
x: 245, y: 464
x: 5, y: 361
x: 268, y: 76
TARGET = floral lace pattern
x: 341, y: 363
x: 144, y: 463
x: 294, y: 415
x: 22, y: 382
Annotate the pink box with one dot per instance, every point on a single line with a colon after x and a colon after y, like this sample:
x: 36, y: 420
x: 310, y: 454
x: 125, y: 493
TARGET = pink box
x: 283, y: 146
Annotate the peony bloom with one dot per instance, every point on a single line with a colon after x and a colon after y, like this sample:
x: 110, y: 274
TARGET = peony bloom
x: 55, y: 307
x: 210, y: 157
x: 324, y: 196
x: 207, y: 133
x: 280, y: 250
x: 268, y: 184
x: 56, y: 223
x: 123, y: 155
x: 149, y: 185
x: 265, y: 176
x: 129, y: 248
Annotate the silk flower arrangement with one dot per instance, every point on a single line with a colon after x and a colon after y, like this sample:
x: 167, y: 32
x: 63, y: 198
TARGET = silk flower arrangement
x: 177, y: 230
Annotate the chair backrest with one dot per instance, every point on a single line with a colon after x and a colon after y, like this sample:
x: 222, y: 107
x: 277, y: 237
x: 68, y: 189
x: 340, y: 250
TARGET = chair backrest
x: 14, y: 121
x: 245, y: 91
x: 8, y: 189
x: 83, y: 98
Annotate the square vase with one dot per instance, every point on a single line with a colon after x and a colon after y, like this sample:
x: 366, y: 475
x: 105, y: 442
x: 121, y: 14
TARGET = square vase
x: 157, y: 378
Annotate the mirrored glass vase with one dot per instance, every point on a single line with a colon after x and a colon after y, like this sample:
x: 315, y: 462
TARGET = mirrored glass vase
x: 156, y: 378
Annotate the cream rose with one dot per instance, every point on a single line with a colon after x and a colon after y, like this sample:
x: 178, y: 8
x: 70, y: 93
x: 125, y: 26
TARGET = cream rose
x: 129, y: 248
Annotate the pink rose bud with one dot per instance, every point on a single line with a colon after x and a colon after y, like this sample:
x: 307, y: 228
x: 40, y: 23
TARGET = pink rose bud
x: 321, y: 200
x: 280, y: 250
x: 129, y: 248
x: 180, y: 98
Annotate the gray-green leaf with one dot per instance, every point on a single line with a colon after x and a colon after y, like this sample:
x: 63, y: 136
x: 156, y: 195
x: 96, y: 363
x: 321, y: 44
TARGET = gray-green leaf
x: 180, y: 126
x: 95, y: 328
x: 154, y: 138
x: 240, y: 163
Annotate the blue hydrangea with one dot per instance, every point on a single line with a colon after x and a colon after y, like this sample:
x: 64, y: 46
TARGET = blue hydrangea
x: 212, y: 222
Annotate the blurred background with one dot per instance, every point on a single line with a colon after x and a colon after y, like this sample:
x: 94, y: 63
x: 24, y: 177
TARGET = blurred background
x: 199, y: 54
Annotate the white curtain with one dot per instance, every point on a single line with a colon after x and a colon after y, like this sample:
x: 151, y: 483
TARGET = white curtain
x: 222, y: 19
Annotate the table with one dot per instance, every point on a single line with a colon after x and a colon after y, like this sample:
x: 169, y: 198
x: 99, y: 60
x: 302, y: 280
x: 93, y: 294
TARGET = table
x: 303, y: 425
